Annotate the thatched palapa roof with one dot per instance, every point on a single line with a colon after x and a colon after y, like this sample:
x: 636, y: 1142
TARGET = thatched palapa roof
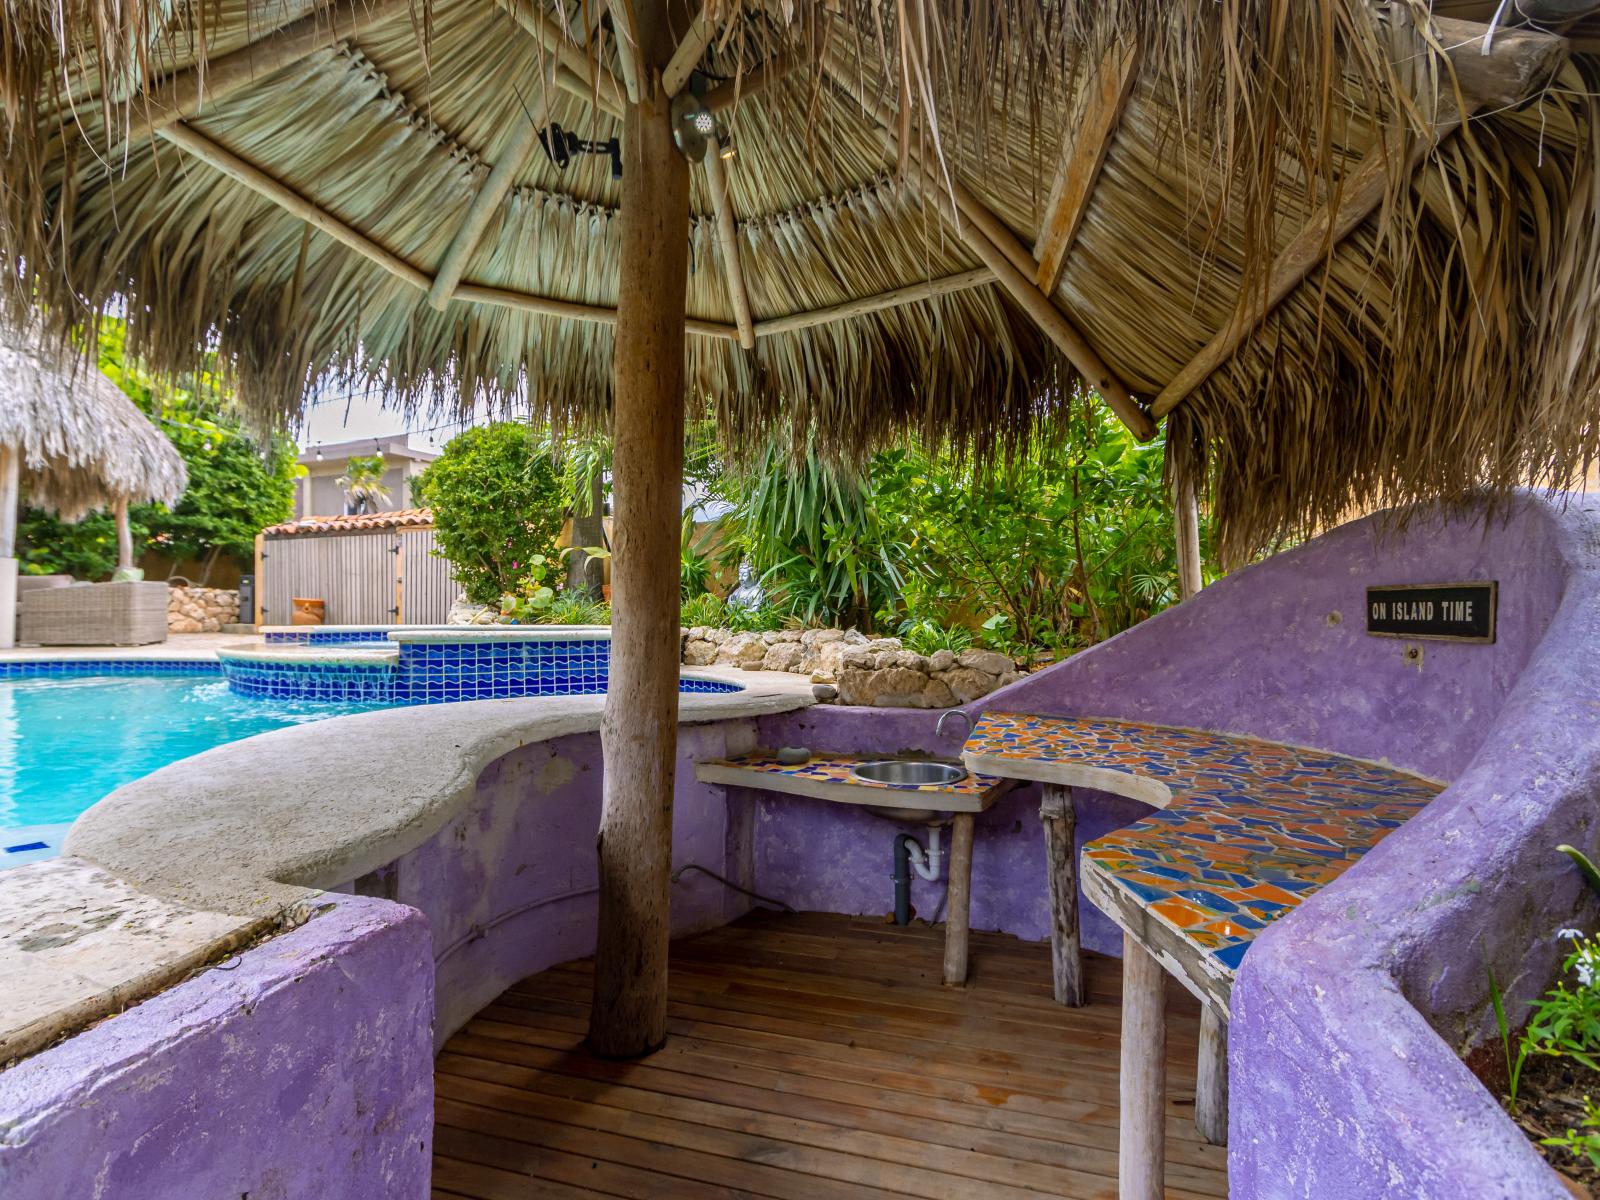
x: 1350, y: 247
x: 83, y: 444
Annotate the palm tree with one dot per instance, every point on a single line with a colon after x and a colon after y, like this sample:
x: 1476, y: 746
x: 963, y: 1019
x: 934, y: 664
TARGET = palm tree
x: 362, y: 484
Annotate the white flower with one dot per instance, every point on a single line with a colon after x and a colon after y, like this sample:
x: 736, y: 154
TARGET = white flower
x: 1585, y: 972
x: 1571, y: 935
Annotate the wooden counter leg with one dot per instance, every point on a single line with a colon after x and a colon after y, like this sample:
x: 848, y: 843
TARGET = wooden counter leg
x: 958, y: 901
x: 1211, y: 1078
x: 1141, y: 1156
x: 1061, y: 859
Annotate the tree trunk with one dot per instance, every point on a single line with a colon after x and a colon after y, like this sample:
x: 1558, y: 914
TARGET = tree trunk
x: 124, y: 536
x: 588, y: 529
x: 640, y: 726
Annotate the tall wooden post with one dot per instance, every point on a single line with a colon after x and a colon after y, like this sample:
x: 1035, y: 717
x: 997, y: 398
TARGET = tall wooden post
x: 1187, y: 523
x: 124, y: 534
x: 10, y: 488
x: 640, y: 726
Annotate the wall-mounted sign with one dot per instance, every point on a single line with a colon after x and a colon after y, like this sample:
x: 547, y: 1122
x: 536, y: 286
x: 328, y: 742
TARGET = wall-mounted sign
x: 1445, y: 612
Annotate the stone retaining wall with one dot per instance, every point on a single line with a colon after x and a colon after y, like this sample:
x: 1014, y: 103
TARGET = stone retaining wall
x: 196, y: 609
x: 850, y: 668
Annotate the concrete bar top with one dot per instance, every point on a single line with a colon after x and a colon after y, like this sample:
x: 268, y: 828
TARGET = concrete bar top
x: 1246, y: 828
x: 182, y: 866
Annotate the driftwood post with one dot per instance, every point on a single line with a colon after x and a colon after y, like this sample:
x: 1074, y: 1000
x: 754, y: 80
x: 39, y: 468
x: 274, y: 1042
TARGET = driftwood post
x: 1142, y: 1145
x: 640, y: 725
x: 10, y: 489
x: 124, y: 534
x: 1061, y: 864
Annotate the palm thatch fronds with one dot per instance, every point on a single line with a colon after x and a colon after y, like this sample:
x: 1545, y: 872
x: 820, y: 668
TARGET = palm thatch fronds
x: 1348, y: 246
x: 83, y: 444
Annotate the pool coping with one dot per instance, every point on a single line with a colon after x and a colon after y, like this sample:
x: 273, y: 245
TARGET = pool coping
x: 183, y: 865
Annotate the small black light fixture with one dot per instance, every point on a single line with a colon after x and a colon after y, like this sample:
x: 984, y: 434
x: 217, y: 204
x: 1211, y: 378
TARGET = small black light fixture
x: 561, y: 144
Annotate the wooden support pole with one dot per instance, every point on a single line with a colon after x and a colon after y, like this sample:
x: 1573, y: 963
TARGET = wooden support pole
x: 689, y: 49
x: 292, y: 202
x: 1090, y: 142
x: 576, y: 72
x: 1013, y: 267
x: 768, y: 73
x: 119, y: 509
x: 1186, y: 523
x: 10, y: 494
x: 959, y: 282
x: 513, y: 157
x: 958, y: 901
x: 625, y: 19
x: 1142, y: 1148
x: 1519, y: 64
x: 728, y: 242
x: 639, y: 728
x: 1061, y: 864
x: 1211, y: 1077
x: 183, y: 93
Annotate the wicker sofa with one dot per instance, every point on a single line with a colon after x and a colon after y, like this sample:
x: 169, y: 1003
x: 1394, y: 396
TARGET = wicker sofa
x: 93, y: 614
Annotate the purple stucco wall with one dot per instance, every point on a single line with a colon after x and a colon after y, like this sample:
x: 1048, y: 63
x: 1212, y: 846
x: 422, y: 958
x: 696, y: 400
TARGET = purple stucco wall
x: 302, y: 1068
x: 508, y: 886
x: 1346, y: 1079
x: 1348, y: 1016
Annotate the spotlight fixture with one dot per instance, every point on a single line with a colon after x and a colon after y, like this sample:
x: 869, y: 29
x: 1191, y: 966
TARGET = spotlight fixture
x: 693, y: 124
x: 561, y: 144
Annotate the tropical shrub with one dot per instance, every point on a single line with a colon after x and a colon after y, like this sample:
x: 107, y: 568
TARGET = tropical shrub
x: 922, y: 636
x: 237, y: 483
x: 497, y: 504
x: 1062, y: 549
x: 816, y: 538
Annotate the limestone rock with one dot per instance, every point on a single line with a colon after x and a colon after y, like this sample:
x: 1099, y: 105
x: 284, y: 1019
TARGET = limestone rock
x: 891, y: 688
x: 967, y: 684
x: 940, y: 660
x: 784, y: 656
x: 698, y: 652
x: 824, y: 692
x: 879, y: 645
x: 937, y: 694
x: 987, y: 661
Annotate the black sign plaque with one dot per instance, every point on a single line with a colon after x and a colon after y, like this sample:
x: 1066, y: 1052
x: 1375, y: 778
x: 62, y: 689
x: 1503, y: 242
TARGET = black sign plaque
x: 1441, y: 612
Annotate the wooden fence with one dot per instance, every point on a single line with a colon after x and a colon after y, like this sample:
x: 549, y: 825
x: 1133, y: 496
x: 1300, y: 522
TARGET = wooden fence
x: 363, y: 577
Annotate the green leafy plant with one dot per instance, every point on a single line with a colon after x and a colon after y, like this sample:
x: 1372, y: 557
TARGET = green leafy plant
x: 238, y: 484
x: 816, y: 537
x: 1584, y: 1141
x: 362, y: 483
x: 922, y: 636
x: 704, y: 609
x: 571, y: 607
x: 497, y: 504
x: 1590, y: 872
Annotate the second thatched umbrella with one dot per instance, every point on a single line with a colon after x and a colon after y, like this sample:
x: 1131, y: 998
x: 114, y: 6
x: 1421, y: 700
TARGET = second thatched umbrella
x: 71, y: 442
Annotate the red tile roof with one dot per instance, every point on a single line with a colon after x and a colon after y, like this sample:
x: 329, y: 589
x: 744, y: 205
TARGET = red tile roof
x: 398, y: 519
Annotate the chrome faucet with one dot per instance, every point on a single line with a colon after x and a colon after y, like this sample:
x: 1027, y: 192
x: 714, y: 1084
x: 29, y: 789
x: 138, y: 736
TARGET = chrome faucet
x: 938, y: 730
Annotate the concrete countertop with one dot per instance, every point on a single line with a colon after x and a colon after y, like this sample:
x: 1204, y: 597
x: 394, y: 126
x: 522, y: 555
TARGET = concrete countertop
x: 189, y: 862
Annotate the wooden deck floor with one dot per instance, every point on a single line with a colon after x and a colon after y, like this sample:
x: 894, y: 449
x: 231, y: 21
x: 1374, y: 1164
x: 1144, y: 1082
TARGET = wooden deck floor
x: 811, y: 1057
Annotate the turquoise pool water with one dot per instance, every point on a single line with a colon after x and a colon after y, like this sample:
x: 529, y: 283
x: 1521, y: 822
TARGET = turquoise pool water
x: 66, y: 742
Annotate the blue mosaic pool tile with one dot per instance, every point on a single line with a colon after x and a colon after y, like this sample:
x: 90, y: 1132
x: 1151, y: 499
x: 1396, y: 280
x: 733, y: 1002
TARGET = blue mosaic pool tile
x: 63, y: 667
x: 448, y: 672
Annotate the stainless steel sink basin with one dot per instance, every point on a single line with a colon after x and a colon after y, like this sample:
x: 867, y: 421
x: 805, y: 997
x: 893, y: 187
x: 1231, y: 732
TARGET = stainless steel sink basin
x: 908, y: 772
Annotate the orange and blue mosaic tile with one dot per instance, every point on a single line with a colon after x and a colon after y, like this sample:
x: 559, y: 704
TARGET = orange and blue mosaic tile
x: 1253, y: 827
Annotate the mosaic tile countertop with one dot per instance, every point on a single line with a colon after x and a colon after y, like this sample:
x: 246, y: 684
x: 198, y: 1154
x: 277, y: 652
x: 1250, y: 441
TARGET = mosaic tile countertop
x: 827, y: 776
x: 1252, y: 827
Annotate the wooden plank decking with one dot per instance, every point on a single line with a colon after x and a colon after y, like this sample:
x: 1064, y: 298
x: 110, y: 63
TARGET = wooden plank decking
x: 812, y: 1057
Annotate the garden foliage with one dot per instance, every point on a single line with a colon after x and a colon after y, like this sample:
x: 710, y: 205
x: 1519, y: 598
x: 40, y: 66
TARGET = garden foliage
x: 237, y: 484
x: 497, y: 503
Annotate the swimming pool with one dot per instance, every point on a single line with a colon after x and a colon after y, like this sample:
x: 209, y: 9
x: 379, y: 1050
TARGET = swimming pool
x: 68, y: 740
